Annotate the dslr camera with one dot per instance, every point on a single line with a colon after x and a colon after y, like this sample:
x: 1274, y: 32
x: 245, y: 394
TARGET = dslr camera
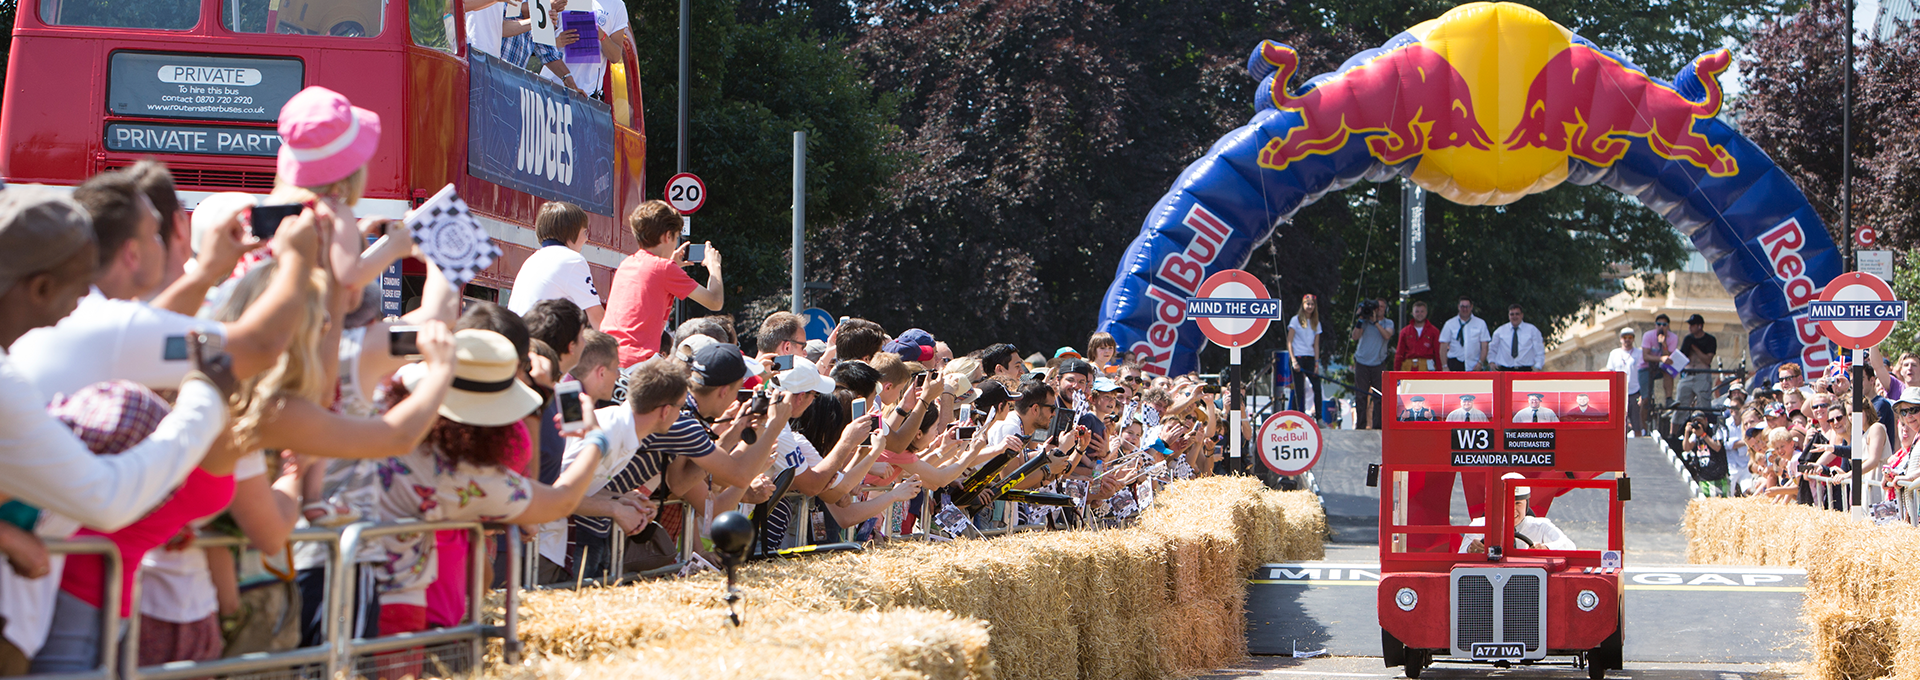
x: 1364, y: 312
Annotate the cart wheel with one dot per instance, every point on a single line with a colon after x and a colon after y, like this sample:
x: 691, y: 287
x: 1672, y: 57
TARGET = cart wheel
x: 1391, y: 650
x: 1416, y: 661
x: 1609, y: 655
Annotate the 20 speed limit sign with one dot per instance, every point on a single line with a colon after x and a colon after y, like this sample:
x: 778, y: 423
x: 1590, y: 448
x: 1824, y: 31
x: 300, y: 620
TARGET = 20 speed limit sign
x: 686, y: 193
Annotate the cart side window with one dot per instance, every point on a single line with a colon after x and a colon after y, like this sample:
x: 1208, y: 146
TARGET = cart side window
x: 1467, y: 401
x: 1548, y: 401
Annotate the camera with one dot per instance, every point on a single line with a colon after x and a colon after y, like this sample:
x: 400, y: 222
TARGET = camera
x: 1366, y: 309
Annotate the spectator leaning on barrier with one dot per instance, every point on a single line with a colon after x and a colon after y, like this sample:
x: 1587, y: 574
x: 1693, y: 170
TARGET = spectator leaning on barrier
x: 557, y: 270
x: 1465, y: 339
x: 1418, y: 348
x: 1516, y: 345
x: 1373, y: 340
x: 651, y: 279
x: 1699, y: 347
x: 1626, y: 359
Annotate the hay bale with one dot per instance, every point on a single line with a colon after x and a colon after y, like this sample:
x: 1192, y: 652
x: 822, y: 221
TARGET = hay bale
x: 1165, y: 597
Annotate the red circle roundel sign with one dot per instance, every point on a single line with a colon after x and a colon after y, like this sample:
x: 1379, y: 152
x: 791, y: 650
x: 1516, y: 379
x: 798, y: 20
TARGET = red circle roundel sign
x: 1857, y: 287
x: 1289, y: 443
x: 1228, y: 332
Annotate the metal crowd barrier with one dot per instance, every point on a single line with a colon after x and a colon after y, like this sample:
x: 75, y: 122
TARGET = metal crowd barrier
x: 291, y: 660
x: 343, y: 650
x: 109, y: 603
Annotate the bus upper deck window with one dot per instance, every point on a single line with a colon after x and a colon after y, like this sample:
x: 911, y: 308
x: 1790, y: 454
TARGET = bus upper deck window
x: 170, y: 15
x: 340, y: 18
x: 432, y: 23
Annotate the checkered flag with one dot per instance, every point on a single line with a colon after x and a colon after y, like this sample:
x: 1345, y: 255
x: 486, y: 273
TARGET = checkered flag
x: 451, y: 238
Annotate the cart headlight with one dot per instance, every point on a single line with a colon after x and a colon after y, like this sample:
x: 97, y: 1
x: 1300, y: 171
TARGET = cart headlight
x: 1406, y: 599
x: 1587, y: 600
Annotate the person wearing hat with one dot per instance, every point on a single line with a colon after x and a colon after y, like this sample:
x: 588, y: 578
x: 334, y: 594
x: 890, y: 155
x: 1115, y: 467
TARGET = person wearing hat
x: 1417, y: 410
x: 1468, y: 412
x: 914, y: 345
x: 1534, y: 533
x: 1535, y: 411
x: 1699, y: 347
x: 48, y: 256
x: 326, y: 143
x: 718, y: 371
x: 1626, y: 359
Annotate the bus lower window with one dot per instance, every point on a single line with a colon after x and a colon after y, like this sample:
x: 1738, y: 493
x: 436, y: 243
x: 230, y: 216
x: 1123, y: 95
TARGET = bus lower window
x: 340, y: 18
x: 170, y: 15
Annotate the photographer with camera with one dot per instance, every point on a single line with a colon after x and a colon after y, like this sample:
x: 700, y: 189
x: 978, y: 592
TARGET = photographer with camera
x: 1373, y: 337
x: 1706, y: 455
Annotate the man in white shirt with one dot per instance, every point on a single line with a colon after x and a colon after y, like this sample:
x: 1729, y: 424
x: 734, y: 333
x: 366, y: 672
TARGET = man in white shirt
x: 1467, y: 413
x: 557, y: 270
x: 1463, y: 340
x: 47, y: 257
x: 1535, y: 412
x: 1533, y: 533
x: 1517, y: 345
x: 486, y: 24
x: 1626, y: 359
x: 113, y: 336
x: 655, y: 392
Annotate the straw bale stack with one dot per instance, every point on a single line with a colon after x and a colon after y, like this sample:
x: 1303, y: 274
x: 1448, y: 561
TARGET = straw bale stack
x: 1861, y: 579
x: 1159, y: 599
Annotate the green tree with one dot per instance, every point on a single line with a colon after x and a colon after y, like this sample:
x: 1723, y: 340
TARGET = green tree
x: 755, y: 83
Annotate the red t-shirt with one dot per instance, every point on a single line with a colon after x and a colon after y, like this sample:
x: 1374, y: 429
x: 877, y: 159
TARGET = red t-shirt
x: 202, y: 495
x: 642, y: 296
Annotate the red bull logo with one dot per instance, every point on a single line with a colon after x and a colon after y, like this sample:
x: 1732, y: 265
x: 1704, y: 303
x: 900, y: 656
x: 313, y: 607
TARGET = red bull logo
x: 1582, y: 102
x: 1289, y: 425
x: 1429, y: 107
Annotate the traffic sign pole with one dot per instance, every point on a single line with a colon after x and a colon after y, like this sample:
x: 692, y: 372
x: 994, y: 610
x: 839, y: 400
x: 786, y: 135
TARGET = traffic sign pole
x: 1236, y: 464
x: 1233, y: 310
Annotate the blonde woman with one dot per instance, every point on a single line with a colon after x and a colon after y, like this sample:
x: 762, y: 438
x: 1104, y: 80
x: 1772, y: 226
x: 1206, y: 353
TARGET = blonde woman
x: 1303, y: 342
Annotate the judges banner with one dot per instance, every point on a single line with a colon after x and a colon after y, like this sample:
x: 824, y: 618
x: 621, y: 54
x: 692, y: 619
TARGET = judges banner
x: 535, y: 136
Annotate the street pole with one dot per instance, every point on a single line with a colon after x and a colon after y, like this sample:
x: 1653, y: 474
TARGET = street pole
x: 1234, y: 407
x: 680, y: 146
x: 799, y: 219
x: 1846, y: 231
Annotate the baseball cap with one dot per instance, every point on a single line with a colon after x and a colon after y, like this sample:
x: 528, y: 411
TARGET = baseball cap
x: 913, y: 345
x: 804, y: 377
x: 1076, y: 365
x: 1105, y: 385
x: 1067, y: 352
x: 110, y: 417
x: 1626, y: 331
x: 325, y: 138
x: 38, y: 231
x: 992, y: 394
x: 722, y: 364
x: 1779, y: 409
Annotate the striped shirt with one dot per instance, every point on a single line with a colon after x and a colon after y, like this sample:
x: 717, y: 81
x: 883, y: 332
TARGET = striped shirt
x: 646, y: 460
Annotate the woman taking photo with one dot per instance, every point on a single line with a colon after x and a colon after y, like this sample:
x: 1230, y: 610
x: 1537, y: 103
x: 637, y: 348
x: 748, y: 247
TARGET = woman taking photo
x: 1303, y: 342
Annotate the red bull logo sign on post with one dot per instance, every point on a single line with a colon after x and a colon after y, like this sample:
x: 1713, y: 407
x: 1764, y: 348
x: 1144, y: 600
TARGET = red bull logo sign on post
x: 1484, y: 105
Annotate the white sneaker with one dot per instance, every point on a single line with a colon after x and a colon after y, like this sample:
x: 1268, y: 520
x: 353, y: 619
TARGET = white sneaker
x: 1629, y: 434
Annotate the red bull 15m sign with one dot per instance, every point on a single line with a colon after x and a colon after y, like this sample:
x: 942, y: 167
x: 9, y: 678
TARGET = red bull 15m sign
x: 1484, y: 105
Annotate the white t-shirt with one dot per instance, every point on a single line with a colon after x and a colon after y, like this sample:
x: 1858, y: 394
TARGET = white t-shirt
x: 616, y: 422
x: 1007, y: 426
x: 108, y: 340
x: 794, y: 451
x: 612, y: 18
x: 1302, y: 337
x: 485, y: 27
x: 1540, y: 530
x: 1623, y: 361
x: 175, y: 585
x: 553, y: 273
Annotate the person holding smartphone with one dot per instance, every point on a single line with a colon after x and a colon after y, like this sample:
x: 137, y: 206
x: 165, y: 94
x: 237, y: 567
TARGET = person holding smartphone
x: 650, y: 280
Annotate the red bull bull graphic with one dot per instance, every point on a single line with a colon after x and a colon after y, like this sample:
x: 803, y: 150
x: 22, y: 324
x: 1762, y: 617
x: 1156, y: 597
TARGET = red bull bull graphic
x: 1484, y: 105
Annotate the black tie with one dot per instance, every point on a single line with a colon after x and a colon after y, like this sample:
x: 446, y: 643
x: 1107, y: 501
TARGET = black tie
x: 1536, y: 414
x: 1516, y: 345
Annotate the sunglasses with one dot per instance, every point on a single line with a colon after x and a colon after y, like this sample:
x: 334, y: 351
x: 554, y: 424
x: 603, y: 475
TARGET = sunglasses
x: 1905, y: 411
x: 1661, y: 324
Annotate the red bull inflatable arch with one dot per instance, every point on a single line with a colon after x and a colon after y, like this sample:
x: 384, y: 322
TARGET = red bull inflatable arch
x: 1484, y: 105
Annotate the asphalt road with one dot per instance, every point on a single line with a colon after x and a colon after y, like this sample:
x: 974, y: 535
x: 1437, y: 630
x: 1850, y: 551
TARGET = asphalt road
x: 1683, y: 621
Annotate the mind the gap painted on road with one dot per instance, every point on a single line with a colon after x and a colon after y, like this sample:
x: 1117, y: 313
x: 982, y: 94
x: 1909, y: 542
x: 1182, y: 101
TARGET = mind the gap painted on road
x: 1753, y: 580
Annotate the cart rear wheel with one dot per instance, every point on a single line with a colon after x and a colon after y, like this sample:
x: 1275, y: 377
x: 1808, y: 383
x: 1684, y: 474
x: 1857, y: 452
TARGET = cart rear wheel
x: 1417, y: 660
x: 1391, y: 650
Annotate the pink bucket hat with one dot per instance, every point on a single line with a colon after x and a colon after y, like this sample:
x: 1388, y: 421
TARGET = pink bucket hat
x: 324, y: 138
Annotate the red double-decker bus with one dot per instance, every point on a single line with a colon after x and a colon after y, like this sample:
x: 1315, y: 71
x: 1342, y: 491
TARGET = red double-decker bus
x: 95, y: 85
x: 1509, y: 588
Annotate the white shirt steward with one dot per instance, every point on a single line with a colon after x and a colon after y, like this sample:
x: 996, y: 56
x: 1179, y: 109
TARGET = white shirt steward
x: 1532, y: 348
x: 554, y: 272
x: 1463, y: 338
x: 1628, y: 362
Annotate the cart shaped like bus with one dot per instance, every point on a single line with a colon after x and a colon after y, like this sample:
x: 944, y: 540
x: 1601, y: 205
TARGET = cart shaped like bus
x: 1445, y: 597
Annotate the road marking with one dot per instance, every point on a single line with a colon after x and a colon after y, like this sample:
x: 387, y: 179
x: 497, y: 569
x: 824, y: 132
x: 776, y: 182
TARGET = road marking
x: 1325, y: 674
x: 1677, y: 578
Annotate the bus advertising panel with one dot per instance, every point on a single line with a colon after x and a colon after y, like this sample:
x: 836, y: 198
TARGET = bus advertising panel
x: 531, y: 134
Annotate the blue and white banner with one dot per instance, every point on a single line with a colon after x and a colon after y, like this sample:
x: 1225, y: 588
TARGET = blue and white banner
x: 532, y: 135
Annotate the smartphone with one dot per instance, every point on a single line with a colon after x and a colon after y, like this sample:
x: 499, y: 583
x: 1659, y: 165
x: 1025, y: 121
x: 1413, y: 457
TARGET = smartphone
x: 403, y: 341
x: 266, y: 218
x: 743, y: 396
x: 783, y: 362
x: 920, y: 379
x: 967, y: 431
x: 696, y: 253
x: 571, y: 416
x: 859, y: 407
x: 175, y: 349
x: 966, y: 414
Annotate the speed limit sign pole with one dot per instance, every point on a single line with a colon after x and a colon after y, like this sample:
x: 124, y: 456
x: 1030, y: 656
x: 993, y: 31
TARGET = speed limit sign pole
x: 1233, y: 310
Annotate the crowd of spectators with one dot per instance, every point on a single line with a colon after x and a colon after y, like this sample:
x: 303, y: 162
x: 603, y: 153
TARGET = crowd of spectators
x: 165, y: 375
